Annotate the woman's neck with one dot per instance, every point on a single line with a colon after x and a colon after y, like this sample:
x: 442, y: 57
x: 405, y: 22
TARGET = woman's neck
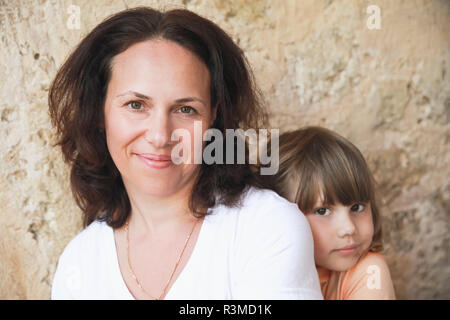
x: 155, y: 215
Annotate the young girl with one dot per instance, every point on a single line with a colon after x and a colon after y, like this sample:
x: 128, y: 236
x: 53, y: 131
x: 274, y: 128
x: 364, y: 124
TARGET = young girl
x: 327, y: 176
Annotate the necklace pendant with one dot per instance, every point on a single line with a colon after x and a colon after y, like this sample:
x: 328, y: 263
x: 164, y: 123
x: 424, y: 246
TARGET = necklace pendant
x: 173, y: 272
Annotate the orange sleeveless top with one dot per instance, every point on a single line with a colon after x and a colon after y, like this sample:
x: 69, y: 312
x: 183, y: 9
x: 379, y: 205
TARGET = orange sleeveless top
x: 368, y: 279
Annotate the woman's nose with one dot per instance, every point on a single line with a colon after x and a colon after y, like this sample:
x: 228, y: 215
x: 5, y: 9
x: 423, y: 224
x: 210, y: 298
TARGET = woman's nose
x: 158, y: 131
x: 346, y: 225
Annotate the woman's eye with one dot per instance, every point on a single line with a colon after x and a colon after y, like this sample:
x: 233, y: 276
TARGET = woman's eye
x: 358, y: 207
x: 186, y: 109
x: 135, y: 105
x: 323, y: 211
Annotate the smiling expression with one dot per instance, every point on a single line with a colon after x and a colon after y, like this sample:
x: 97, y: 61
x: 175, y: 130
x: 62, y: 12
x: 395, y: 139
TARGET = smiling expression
x: 156, y: 87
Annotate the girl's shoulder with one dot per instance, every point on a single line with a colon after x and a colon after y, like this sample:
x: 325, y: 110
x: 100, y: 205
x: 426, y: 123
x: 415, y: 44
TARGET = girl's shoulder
x: 371, y: 262
x: 369, y: 279
x: 371, y: 259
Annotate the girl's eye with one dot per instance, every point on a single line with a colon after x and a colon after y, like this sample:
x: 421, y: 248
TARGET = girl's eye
x: 186, y: 110
x: 135, y: 105
x: 322, y: 211
x: 358, y: 207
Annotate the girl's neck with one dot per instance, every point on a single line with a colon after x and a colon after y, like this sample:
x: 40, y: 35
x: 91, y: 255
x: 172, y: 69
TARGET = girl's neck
x: 323, y: 273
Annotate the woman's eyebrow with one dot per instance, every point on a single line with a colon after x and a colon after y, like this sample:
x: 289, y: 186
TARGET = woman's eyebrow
x: 137, y: 94
x: 143, y: 96
x: 189, y: 99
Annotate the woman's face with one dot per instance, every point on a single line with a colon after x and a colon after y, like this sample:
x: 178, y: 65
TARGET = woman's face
x: 156, y: 87
x: 337, y: 227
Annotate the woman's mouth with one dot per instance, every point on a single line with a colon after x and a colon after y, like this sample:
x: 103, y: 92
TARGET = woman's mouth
x: 155, y: 161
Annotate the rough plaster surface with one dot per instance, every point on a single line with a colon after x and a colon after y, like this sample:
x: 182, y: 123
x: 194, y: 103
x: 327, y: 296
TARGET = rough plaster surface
x: 317, y: 62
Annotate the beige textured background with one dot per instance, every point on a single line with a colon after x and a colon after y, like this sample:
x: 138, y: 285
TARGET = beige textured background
x: 387, y: 90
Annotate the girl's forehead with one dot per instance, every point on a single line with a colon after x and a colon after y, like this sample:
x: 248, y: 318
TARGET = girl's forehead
x: 321, y: 198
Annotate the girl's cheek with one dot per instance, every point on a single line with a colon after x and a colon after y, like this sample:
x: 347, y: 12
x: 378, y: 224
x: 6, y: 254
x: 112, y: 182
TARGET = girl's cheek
x: 321, y: 236
x: 367, y: 228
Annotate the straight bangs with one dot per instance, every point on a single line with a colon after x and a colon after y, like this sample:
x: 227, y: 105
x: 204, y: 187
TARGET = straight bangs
x: 332, y: 172
x: 320, y: 167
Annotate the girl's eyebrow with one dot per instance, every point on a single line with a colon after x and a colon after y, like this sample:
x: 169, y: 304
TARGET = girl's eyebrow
x: 145, y: 97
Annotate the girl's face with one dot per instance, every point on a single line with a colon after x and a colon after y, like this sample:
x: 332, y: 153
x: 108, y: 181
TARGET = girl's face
x: 341, y: 234
x: 156, y: 87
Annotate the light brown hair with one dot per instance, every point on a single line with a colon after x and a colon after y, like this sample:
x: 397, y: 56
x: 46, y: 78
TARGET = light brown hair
x: 315, y: 161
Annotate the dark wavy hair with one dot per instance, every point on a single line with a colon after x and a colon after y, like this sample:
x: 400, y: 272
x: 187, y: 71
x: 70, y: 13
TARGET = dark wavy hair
x: 76, y: 107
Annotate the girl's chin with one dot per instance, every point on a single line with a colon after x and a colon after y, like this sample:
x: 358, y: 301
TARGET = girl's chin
x: 341, y: 264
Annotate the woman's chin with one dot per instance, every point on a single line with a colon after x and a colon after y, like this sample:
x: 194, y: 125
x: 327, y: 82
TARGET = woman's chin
x: 161, y: 191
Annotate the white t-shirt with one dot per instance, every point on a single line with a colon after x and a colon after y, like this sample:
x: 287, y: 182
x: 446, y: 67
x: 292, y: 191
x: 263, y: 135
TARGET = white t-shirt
x: 262, y: 250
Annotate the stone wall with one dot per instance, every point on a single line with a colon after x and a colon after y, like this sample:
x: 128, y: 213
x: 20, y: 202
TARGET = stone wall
x: 318, y: 62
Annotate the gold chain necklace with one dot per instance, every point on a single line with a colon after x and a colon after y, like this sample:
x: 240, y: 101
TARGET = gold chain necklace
x: 173, y: 272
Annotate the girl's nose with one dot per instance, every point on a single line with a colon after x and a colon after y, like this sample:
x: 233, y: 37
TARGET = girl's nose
x: 158, y: 131
x: 346, y: 226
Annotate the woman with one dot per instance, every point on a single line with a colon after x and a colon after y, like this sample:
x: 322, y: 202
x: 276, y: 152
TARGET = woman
x: 156, y: 229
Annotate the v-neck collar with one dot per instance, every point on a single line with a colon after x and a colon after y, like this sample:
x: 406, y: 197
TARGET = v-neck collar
x: 117, y: 274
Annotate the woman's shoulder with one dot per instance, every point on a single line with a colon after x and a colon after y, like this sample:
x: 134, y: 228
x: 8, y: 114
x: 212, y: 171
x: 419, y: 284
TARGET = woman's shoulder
x: 273, y: 246
x: 261, y: 199
x: 267, y: 204
x: 261, y: 212
x: 265, y: 212
x: 86, y: 242
x: 75, y: 273
x: 254, y: 193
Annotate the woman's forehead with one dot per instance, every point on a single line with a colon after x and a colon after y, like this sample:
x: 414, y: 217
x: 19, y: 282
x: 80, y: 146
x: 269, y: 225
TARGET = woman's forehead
x: 154, y: 66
